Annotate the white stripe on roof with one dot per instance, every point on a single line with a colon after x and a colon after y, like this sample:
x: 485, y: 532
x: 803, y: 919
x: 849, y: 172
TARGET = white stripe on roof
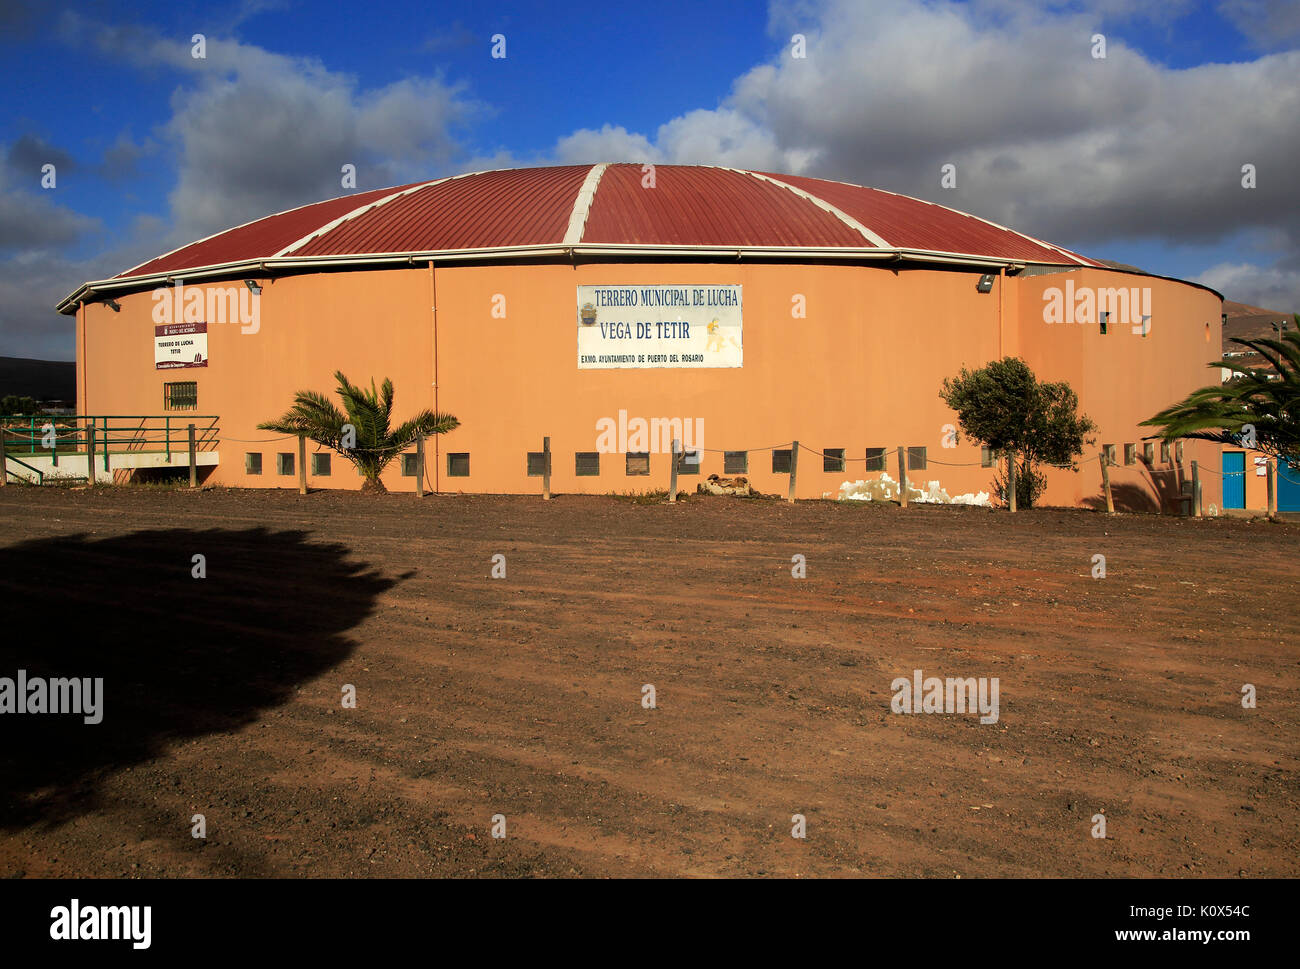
x: 822, y: 204
x: 582, y: 205
x: 329, y: 226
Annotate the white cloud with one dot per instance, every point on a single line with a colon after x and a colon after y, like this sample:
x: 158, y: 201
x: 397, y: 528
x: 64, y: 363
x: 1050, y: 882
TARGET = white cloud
x: 253, y: 132
x: 1272, y: 287
x: 1045, y: 138
x: 610, y: 144
x: 256, y: 132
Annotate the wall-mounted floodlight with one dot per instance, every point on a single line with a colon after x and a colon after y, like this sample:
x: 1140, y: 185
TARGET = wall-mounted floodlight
x: 254, y: 286
x: 113, y: 305
x: 985, y: 285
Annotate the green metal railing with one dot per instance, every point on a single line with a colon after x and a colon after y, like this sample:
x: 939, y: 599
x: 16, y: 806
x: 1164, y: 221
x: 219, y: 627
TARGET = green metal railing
x: 40, y: 475
x: 107, y: 434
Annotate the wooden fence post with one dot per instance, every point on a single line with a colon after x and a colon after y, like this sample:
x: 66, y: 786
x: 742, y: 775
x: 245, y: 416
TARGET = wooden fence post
x: 794, y: 469
x: 1272, y: 488
x: 1196, y: 489
x: 90, y: 454
x: 902, y: 477
x: 1105, y: 482
x: 546, y: 469
x: 419, y: 465
x: 1012, y: 501
x: 194, y: 458
x: 302, y: 464
x: 672, y: 475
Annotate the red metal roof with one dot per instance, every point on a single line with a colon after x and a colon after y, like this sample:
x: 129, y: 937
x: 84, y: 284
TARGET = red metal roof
x: 258, y: 240
x: 707, y: 207
x: 688, y: 205
x: 515, y: 207
x: 908, y: 223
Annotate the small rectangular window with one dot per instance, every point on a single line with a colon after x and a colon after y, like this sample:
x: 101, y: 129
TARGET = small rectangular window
x: 252, y: 463
x: 1178, y: 451
x: 1104, y: 319
x: 1164, y: 452
x: 986, y: 457
x: 690, y: 462
x: 321, y: 464
x: 638, y: 462
x: 833, y: 459
x: 1130, y: 454
x: 875, y: 459
x: 536, y: 464
x: 586, y: 464
x: 781, y: 461
x: 916, y: 459
x: 1109, y: 450
x: 458, y: 464
x: 410, y: 465
x: 181, y: 396
x: 284, y: 462
x: 735, y: 462
x: 1148, y: 452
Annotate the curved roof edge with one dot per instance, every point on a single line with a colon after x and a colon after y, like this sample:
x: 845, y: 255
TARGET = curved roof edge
x: 699, y: 213
x: 286, y: 265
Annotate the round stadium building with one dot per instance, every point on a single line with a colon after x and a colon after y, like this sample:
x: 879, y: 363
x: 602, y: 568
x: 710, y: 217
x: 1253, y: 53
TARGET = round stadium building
x: 617, y: 307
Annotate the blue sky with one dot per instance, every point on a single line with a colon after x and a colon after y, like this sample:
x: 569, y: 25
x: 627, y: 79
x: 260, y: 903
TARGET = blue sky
x: 1134, y: 157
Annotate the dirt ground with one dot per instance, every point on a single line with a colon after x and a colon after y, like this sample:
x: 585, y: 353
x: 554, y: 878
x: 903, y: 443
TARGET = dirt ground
x: 522, y: 696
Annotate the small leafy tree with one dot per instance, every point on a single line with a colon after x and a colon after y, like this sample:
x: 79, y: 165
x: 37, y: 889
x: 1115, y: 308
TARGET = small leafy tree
x: 372, y: 442
x: 1259, y: 409
x: 1007, y: 409
x: 14, y: 404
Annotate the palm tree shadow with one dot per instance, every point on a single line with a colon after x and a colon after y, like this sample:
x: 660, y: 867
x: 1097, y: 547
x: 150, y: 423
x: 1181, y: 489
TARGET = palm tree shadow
x: 179, y: 656
x: 1160, y: 491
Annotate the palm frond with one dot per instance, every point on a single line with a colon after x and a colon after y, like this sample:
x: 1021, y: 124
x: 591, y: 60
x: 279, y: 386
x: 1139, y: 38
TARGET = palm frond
x: 369, y: 411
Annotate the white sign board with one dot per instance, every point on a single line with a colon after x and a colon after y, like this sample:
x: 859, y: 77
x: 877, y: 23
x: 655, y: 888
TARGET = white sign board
x: 659, y: 326
x: 177, y: 345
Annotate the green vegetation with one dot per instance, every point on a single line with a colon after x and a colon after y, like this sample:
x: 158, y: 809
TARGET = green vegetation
x: 13, y: 405
x: 1259, y: 408
x: 1007, y: 409
x: 362, y: 432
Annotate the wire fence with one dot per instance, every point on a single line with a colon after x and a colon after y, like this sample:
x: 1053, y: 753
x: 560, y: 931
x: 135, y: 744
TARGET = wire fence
x: 835, y: 459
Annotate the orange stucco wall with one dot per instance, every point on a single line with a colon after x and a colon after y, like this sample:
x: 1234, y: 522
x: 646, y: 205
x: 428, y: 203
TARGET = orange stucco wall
x: 862, y: 369
x: 1257, y: 477
x: 1123, y: 377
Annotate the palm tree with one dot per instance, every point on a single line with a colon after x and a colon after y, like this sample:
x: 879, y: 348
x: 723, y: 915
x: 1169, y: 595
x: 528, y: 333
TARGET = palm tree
x: 1259, y: 407
x: 362, y: 435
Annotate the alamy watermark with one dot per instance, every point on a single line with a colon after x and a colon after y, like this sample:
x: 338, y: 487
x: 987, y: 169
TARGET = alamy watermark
x: 654, y: 436
x: 75, y: 922
x: 83, y: 696
x: 208, y: 304
x: 1117, y: 305
x: 922, y: 694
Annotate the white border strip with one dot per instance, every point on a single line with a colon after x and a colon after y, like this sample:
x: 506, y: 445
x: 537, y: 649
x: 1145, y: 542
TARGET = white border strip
x: 582, y: 205
x: 232, y: 228
x: 822, y: 204
x: 316, y: 233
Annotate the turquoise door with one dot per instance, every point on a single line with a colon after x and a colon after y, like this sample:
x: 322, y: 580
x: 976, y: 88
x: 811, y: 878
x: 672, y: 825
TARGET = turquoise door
x: 1288, y: 486
x: 1234, y: 479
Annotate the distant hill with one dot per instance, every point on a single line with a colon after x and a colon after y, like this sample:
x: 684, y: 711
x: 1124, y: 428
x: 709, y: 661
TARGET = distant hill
x: 1120, y: 265
x: 44, y: 380
x: 1247, y: 322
